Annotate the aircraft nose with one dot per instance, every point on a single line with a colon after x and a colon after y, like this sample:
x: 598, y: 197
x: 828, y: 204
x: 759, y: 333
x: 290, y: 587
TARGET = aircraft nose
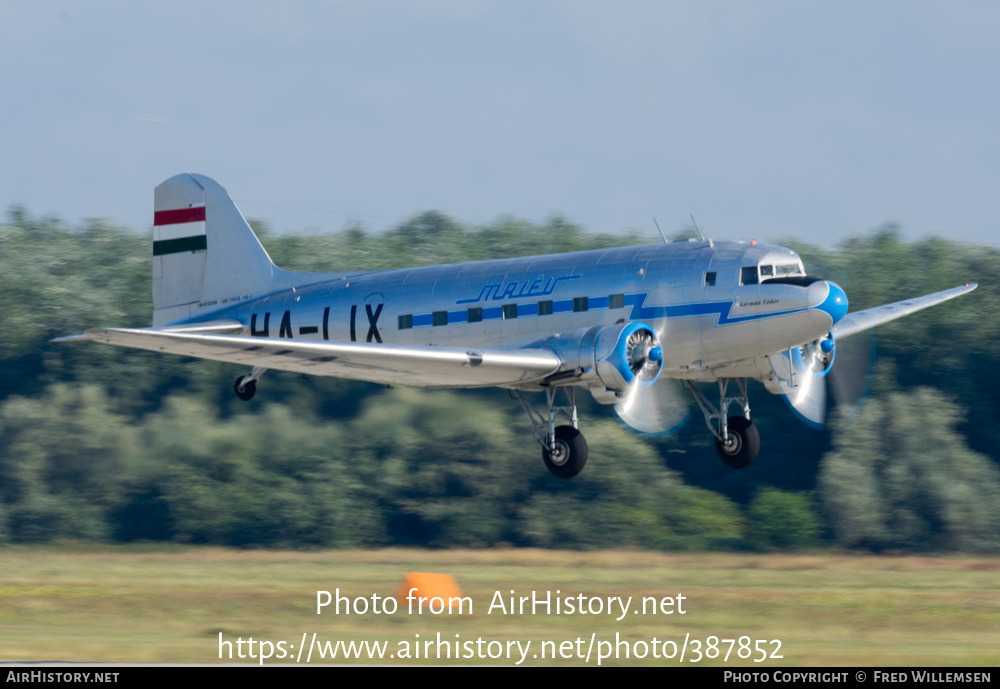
x: 835, y: 301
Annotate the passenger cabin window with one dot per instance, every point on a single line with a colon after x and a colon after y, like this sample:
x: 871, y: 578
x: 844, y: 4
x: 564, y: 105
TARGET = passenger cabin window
x: 509, y: 311
x: 616, y: 301
x: 580, y: 303
x: 440, y: 318
x: 710, y: 279
x: 545, y: 308
x: 748, y: 275
x: 475, y: 314
x: 406, y: 321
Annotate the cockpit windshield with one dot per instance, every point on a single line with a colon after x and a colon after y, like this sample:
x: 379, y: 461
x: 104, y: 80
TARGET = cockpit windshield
x: 782, y: 270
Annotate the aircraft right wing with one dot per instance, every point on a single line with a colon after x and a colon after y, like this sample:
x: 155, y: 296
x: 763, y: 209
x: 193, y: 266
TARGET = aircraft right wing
x: 861, y: 321
x: 414, y: 365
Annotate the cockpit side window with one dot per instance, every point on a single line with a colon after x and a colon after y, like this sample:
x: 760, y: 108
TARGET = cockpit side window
x: 748, y: 275
x: 766, y: 272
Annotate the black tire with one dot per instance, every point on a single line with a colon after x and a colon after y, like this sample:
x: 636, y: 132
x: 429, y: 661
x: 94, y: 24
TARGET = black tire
x: 244, y: 392
x: 745, y: 443
x: 572, y: 455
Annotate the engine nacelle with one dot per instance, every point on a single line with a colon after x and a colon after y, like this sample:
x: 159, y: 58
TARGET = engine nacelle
x: 627, y: 354
x: 609, y: 359
x: 811, y: 360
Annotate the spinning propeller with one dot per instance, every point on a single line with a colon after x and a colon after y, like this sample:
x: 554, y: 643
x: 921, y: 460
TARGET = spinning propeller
x: 652, y: 405
x: 801, y: 373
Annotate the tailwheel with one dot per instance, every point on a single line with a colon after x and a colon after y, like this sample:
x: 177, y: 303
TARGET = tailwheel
x: 567, y: 454
x: 741, y: 445
x: 244, y: 390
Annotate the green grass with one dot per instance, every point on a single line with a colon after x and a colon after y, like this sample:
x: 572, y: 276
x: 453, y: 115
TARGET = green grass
x: 170, y: 605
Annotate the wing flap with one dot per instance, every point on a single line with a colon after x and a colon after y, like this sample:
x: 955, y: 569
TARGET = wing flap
x: 414, y: 365
x: 860, y: 321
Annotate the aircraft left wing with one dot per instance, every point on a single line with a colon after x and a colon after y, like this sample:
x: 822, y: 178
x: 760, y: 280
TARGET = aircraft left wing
x: 413, y: 365
x: 860, y: 321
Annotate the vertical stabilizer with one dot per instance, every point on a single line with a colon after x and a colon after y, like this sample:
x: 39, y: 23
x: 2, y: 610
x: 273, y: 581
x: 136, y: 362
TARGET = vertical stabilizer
x: 205, y: 256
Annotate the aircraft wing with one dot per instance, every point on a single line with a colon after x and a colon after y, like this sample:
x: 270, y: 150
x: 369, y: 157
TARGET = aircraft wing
x: 860, y: 321
x: 413, y: 365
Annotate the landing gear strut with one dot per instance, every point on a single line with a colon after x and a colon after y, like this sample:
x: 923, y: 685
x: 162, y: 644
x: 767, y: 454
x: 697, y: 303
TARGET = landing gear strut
x: 737, y: 441
x: 564, y: 449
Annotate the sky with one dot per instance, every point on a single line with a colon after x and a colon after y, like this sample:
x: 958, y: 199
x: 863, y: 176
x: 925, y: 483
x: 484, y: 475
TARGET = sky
x: 765, y: 119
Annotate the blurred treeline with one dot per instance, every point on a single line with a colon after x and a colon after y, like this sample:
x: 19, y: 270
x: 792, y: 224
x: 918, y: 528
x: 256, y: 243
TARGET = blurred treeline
x: 113, y: 445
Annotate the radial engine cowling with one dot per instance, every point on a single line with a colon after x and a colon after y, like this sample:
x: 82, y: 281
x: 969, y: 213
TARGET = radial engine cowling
x: 627, y: 354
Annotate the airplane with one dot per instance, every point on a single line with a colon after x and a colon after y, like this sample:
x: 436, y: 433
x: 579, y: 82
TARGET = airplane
x: 627, y: 324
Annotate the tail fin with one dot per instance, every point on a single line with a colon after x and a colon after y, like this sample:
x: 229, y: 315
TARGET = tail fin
x: 205, y: 255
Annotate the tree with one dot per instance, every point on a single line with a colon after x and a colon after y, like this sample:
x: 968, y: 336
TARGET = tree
x: 782, y: 519
x: 900, y: 476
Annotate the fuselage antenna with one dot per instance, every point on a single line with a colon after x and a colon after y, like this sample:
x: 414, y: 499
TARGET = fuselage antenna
x: 660, y: 231
x: 700, y: 233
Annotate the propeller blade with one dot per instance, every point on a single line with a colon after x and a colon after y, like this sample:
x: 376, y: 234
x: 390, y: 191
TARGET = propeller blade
x: 851, y: 378
x: 800, y: 375
x: 808, y: 399
x: 659, y: 409
x: 656, y: 410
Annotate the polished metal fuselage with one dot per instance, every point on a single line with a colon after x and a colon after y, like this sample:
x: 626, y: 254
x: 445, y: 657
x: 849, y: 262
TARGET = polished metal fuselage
x: 710, y: 325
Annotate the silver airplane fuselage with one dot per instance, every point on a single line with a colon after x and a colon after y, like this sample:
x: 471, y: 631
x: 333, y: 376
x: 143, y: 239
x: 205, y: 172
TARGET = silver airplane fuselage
x: 690, y: 292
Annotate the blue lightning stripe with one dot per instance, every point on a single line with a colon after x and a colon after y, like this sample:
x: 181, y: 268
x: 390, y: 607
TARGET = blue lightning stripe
x: 722, y: 308
x: 639, y: 312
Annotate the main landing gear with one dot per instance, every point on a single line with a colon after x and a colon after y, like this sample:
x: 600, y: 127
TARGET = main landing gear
x: 564, y: 449
x: 246, y: 386
x: 737, y: 441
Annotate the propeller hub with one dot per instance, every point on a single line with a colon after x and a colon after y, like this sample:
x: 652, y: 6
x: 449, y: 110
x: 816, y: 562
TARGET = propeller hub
x: 645, y: 354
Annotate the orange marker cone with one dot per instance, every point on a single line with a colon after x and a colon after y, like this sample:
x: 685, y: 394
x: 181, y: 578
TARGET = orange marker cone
x: 423, y: 593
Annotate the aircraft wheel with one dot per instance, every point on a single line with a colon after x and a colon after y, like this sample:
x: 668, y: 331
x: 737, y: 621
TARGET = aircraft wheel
x: 743, y: 445
x: 244, y: 392
x: 570, y: 453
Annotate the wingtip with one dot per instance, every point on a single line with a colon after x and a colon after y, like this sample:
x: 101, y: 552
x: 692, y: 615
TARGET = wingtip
x: 70, y: 338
